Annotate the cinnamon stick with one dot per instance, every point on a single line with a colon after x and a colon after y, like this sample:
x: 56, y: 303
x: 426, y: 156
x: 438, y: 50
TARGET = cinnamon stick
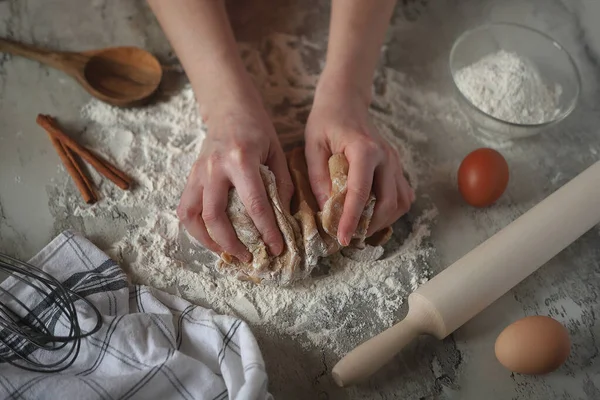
x: 88, y: 196
x: 86, y: 179
x: 118, y: 177
x: 115, y: 171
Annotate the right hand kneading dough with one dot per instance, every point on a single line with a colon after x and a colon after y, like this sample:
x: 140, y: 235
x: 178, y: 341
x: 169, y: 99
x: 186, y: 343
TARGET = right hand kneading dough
x: 307, y: 233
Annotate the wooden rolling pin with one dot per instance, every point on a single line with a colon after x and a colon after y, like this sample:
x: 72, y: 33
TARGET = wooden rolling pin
x: 464, y: 289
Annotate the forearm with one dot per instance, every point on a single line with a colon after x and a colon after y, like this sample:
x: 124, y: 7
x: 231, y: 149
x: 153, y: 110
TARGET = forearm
x: 357, y: 31
x: 201, y: 35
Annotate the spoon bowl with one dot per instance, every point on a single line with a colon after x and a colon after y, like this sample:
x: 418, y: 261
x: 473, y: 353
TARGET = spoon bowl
x: 124, y: 75
x: 120, y: 76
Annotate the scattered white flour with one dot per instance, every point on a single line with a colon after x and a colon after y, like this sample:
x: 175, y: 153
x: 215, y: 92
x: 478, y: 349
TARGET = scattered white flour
x: 157, y: 145
x: 509, y: 88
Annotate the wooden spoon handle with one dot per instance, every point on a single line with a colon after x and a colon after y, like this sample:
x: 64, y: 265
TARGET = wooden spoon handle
x: 58, y: 60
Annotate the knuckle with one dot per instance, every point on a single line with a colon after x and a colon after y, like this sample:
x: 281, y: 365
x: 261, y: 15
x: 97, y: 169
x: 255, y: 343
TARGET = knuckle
x: 185, y: 213
x: 237, y: 155
x: 212, y: 160
x: 210, y: 166
x: 389, y: 205
x: 210, y: 216
x: 360, y: 193
x: 367, y: 147
x: 257, y: 206
x: 403, y: 207
x: 370, y: 147
x: 286, y: 188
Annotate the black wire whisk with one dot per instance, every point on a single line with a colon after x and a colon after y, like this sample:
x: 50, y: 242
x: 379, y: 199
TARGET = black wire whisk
x: 28, y: 326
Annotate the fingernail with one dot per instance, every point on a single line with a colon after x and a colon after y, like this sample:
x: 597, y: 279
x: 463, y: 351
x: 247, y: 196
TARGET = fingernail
x: 344, y: 241
x: 275, y: 249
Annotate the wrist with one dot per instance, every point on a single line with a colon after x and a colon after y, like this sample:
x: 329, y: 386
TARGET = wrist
x: 229, y: 88
x: 340, y: 85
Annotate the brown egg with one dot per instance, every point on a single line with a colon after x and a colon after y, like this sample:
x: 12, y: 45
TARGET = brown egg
x: 533, y: 345
x: 483, y: 177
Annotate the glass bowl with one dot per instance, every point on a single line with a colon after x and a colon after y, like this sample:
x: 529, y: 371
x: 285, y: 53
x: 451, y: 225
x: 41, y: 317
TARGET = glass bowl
x: 552, y: 61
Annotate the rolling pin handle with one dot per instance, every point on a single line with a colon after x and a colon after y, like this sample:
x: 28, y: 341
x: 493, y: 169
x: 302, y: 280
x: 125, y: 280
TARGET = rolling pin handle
x: 371, y: 355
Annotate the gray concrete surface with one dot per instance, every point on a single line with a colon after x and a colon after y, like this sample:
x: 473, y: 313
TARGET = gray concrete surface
x: 461, y: 367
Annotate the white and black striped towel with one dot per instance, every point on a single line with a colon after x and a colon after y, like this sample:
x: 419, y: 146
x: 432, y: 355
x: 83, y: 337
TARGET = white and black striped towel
x: 152, y: 345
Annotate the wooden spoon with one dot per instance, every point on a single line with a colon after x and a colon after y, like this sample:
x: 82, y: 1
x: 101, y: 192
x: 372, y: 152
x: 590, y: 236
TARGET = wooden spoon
x: 121, y: 76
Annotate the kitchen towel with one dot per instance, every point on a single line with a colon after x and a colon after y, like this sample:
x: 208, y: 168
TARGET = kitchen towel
x: 152, y: 345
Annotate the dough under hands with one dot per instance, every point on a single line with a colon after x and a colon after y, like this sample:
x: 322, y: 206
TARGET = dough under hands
x: 308, y: 235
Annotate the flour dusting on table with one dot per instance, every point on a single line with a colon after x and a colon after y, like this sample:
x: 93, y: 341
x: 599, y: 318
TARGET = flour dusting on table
x: 348, y: 301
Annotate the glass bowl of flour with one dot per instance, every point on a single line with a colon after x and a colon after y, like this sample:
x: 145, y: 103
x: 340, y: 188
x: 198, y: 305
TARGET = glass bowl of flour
x: 513, y: 81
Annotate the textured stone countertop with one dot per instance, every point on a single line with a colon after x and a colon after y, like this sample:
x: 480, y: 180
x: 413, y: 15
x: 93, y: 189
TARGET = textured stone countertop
x: 461, y: 367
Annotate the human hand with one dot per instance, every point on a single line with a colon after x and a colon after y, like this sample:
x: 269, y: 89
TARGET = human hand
x: 339, y: 123
x: 240, y: 138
